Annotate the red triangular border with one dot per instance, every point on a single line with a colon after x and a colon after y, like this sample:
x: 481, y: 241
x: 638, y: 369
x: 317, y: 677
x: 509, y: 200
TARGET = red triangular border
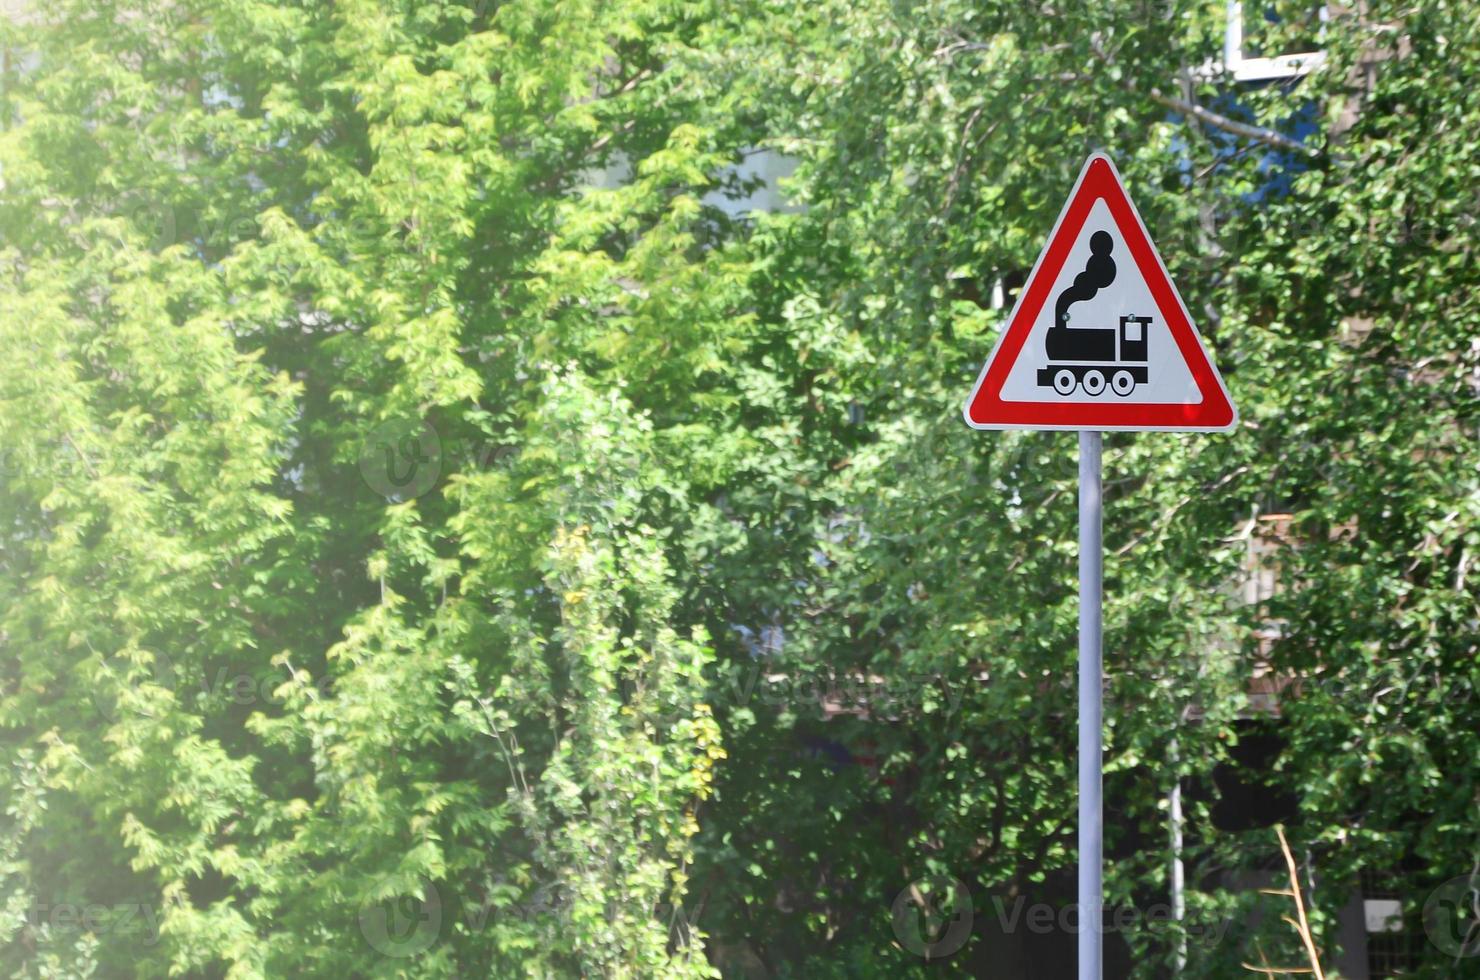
x: 985, y: 409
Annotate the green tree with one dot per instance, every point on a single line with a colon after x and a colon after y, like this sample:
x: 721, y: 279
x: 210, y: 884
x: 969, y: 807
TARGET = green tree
x: 330, y: 369
x: 1333, y: 278
x: 416, y: 470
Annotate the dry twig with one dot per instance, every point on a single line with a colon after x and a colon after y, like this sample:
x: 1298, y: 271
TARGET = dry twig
x: 1300, y: 923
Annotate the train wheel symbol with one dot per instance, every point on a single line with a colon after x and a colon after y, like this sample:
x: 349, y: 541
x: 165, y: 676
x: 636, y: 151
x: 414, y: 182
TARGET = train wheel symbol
x: 1064, y: 381
x: 1122, y: 383
x: 1094, y: 382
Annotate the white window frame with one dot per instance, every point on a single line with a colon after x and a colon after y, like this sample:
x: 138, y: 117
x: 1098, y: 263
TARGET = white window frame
x: 1261, y: 69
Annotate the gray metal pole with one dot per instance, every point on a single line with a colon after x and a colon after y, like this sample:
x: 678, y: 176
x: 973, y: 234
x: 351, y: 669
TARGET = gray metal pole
x: 1091, y: 813
x: 1179, y: 901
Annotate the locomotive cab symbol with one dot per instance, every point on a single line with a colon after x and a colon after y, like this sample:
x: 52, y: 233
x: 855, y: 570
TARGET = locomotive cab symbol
x: 1090, y: 358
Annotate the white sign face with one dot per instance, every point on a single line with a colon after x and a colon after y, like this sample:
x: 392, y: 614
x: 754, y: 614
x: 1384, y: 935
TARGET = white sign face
x: 1099, y: 338
x: 1167, y: 376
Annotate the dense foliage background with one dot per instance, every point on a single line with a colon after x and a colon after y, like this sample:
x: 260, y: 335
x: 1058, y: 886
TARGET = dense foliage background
x: 437, y: 516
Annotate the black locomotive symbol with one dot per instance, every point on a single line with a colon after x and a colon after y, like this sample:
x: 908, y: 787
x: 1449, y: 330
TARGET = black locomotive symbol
x: 1092, y: 357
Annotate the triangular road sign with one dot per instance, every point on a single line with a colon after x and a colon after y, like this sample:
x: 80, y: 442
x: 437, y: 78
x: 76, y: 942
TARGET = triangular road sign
x: 1099, y: 337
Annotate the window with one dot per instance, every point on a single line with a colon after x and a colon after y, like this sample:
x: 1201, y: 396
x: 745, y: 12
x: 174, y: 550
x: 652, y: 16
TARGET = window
x: 1391, y: 955
x: 1257, y: 27
x: 1282, y: 27
x: 1391, y: 951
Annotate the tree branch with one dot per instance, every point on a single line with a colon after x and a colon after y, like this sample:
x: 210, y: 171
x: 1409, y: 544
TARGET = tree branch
x: 1206, y: 116
x: 1217, y: 121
